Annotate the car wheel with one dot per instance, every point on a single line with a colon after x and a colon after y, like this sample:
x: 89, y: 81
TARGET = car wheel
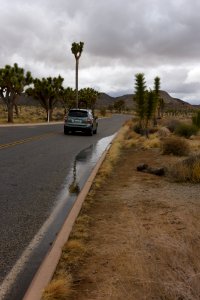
x: 95, y: 131
x: 90, y: 132
x: 66, y: 131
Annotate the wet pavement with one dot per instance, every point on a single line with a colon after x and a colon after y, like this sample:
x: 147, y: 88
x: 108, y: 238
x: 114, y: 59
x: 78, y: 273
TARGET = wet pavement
x: 34, y: 254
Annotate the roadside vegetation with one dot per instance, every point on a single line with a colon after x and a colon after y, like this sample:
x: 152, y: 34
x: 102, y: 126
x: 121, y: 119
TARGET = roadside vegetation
x: 30, y: 114
x: 185, y: 168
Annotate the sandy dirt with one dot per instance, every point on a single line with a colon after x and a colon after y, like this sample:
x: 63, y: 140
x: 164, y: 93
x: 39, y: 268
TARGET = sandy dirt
x: 145, y: 235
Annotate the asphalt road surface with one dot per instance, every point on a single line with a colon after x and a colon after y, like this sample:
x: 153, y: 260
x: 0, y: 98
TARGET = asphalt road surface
x: 34, y: 163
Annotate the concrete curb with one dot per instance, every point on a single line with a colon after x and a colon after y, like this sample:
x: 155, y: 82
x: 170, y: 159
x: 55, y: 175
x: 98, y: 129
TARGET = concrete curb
x: 48, y: 266
x: 31, y: 124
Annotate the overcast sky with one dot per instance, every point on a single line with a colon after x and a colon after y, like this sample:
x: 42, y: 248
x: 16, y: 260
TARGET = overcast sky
x: 121, y: 38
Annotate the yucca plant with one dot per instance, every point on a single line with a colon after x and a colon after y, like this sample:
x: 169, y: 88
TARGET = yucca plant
x: 196, y: 119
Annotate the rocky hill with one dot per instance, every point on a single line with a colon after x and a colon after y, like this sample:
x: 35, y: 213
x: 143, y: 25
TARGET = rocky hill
x: 105, y: 100
x: 170, y: 102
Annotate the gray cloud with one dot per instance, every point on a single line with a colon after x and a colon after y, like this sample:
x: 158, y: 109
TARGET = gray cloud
x: 158, y: 38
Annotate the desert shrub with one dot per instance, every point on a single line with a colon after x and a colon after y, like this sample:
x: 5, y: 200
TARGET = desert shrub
x: 137, y: 128
x: 172, y: 124
x: 163, y: 132
x: 151, y: 142
x: 196, y: 119
x: 187, y: 170
x: 186, y: 130
x: 175, y: 146
x: 103, y: 111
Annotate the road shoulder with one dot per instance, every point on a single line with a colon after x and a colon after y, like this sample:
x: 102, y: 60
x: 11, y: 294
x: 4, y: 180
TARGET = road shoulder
x: 144, y: 236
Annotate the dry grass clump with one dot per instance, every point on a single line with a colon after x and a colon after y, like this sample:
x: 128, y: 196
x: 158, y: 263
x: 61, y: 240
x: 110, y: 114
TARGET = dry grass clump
x: 81, y: 229
x: 130, y: 139
x: 72, y: 254
x: 187, y: 170
x: 58, y: 289
x: 175, y: 146
x: 112, y: 156
x: 152, y: 142
x: 163, y: 132
x: 195, y: 144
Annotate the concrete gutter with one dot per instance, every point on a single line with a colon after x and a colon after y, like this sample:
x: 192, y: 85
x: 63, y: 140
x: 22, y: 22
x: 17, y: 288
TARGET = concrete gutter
x: 48, y: 266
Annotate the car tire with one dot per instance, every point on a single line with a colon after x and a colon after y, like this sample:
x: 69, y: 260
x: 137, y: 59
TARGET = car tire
x: 90, y: 132
x: 66, y: 131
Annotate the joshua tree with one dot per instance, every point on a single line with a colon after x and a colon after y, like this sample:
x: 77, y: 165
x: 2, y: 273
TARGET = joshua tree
x: 146, y: 101
x: 119, y: 105
x: 77, y: 49
x: 88, y: 98
x: 68, y: 98
x: 12, y: 83
x: 156, y: 92
x: 47, y: 92
x: 139, y: 98
x: 150, y: 107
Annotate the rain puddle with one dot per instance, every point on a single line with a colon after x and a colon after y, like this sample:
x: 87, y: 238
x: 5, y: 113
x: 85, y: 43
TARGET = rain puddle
x: 83, y: 165
x: 81, y: 169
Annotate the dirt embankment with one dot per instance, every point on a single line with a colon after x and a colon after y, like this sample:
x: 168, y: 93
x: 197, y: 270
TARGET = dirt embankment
x: 144, y: 239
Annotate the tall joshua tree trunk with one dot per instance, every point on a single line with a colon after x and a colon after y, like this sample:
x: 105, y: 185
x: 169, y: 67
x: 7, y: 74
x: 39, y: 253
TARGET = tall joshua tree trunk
x: 77, y: 49
x: 10, y: 112
x: 77, y: 63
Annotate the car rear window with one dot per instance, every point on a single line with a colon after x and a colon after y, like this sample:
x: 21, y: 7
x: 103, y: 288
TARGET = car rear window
x: 78, y: 113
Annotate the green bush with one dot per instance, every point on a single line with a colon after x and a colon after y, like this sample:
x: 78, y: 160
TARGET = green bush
x: 103, y: 111
x: 175, y: 146
x: 186, y: 130
x: 187, y: 170
x: 196, y: 119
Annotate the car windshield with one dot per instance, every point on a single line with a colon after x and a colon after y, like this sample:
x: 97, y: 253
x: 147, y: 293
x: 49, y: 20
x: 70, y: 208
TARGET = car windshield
x: 78, y: 113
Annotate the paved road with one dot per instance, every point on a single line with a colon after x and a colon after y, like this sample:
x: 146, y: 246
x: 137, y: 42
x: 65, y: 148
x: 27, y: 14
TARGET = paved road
x: 34, y: 163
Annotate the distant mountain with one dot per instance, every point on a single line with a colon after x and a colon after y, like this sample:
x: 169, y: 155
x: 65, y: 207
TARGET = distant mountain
x: 105, y: 100
x: 170, y: 102
x: 173, y: 102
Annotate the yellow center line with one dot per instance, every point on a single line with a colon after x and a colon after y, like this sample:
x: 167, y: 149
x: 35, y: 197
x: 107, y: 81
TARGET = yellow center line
x: 19, y: 142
